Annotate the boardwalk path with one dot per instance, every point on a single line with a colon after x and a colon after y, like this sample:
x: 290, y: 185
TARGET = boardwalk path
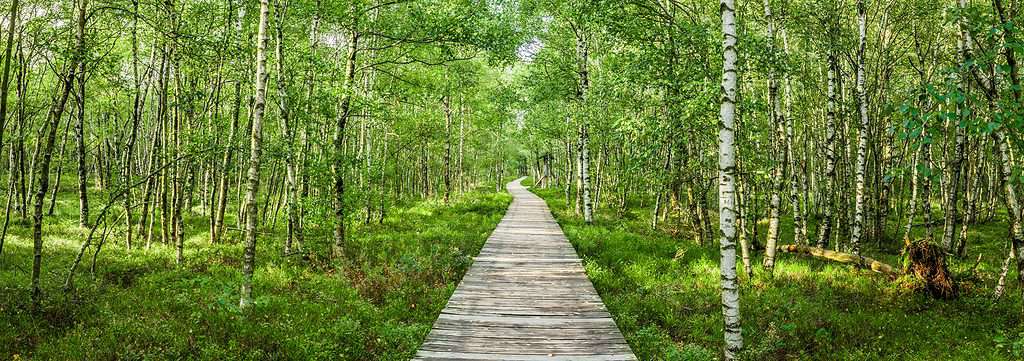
x: 526, y: 297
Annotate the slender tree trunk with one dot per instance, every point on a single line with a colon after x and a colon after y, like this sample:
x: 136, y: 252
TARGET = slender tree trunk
x: 446, y: 102
x: 83, y: 168
x: 741, y: 207
x: 862, y: 132
x: 588, y: 209
x: 163, y: 118
x: 11, y: 183
x: 661, y: 190
x: 292, y: 195
x: 914, y: 194
x: 926, y: 186
x: 955, y: 165
x: 151, y: 185
x: 226, y: 165
x: 60, y: 168
x: 461, y: 166
x: 177, y: 196
x: 1010, y: 199
x: 726, y: 186
x: 18, y: 144
x: 579, y: 172
x: 799, y: 225
x: 1009, y: 52
x: 778, y: 123
x: 255, y: 153
x: 17, y: 171
x: 303, y: 148
x: 970, y: 209
x: 129, y: 151
x: 381, y: 207
x: 44, y: 153
x: 5, y: 80
x: 339, y: 141
x: 825, y: 229
x: 582, y: 53
x: 172, y: 119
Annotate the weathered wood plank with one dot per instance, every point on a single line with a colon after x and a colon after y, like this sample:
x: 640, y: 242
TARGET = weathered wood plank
x: 526, y: 297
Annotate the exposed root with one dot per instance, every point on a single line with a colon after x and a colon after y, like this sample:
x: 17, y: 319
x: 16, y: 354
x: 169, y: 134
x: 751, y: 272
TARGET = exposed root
x: 928, y: 263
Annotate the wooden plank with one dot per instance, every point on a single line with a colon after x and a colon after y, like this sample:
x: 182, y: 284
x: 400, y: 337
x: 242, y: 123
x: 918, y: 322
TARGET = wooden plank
x: 526, y: 297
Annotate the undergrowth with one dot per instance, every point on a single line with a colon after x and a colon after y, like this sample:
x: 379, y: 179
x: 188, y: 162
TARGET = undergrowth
x: 378, y: 303
x: 663, y: 292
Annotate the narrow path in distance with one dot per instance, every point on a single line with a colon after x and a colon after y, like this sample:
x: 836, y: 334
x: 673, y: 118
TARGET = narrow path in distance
x: 526, y: 297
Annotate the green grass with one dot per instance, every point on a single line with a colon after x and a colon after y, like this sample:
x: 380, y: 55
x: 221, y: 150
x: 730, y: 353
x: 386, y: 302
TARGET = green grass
x: 380, y: 301
x: 663, y: 292
x: 376, y: 304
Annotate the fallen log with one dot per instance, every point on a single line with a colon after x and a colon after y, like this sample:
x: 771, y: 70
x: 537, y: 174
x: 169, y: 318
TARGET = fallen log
x: 927, y: 263
x: 848, y: 258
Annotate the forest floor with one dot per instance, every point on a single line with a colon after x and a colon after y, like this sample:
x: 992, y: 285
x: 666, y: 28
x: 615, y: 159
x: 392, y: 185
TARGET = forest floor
x: 377, y: 304
x: 663, y: 292
x: 380, y: 302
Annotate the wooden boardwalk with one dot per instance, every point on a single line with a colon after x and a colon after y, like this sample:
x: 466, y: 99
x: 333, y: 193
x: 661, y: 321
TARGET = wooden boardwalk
x: 526, y: 297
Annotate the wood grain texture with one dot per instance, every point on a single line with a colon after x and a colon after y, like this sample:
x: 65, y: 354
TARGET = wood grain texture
x: 526, y: 297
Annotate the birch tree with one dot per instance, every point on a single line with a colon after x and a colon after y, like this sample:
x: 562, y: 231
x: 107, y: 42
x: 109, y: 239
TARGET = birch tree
x: 582, y: 58
x: 292, y: 196
x: 5, y: 78
x: 825, y: 228
x: 777, y: 122
x: 727, y: 185
x: 344, y: 112
x: 44, y: 152
x: 255, y: 153
x: 955, y: 165
x: 862, y: 132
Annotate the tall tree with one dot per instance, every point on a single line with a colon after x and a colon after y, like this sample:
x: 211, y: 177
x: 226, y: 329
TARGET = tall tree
x: 583, y: 71
x: 778, y: 123
x: 825, y: 228
x: 292, y: 196
x: 44, y: 151
x: 862, y: 131
x: 83, y: 168
x: 727, y: 185
x: 5, y: 78
x: 344, y: 112
x: 955, y: 165
x: 136, y: 118
x: 255, y: 153
x: 217, y: 226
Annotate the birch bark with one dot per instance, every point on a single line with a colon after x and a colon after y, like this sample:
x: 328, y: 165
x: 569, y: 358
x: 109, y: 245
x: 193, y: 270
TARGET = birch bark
x: 727, y: 186
x: 255, y: 153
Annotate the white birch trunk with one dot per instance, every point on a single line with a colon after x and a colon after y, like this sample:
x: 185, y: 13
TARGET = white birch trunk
x: 949, y: 229
x: 862, y: 133
x: 255, y: 152
x: 727, y: 186
x: 825, y: 230
x: 799, y: 227
x: 292, y: 195
x: 582, y: 58
x: 778, y: 124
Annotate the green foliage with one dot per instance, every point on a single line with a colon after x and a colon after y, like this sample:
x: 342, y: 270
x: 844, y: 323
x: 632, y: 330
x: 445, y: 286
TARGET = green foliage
x: 1014, y: 345
x: 663, y: 292
x: 377, y: 304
